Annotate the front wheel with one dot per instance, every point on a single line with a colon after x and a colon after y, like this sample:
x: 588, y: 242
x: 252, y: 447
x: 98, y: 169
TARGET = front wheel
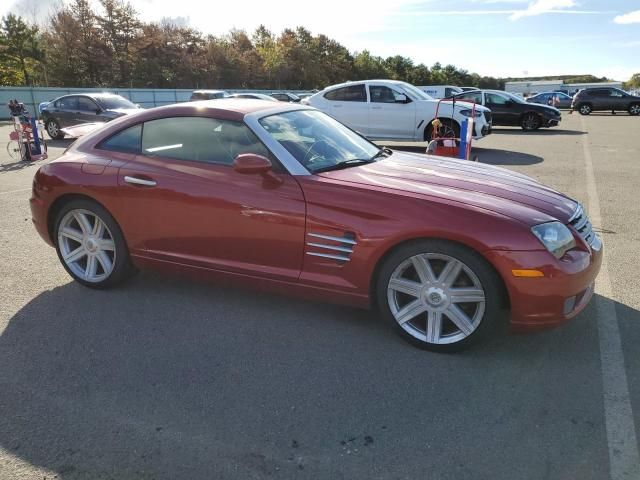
x: 634, y: 109
x: 439, y: 296
x: 53, y: 129
x: 91, y: 246
x: 530, y: 122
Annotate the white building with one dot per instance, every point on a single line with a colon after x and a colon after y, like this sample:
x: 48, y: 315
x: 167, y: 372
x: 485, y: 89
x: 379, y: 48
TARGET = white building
x: 531, y: 87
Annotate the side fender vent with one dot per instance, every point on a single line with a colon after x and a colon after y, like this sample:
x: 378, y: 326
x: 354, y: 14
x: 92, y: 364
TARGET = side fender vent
x: 330, y: 247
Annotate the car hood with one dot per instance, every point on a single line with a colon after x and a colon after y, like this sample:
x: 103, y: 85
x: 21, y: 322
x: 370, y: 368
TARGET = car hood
x: 478, y: 185
x: 122, y: 111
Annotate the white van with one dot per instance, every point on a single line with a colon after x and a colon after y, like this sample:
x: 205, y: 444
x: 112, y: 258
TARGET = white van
x: 440, y: 91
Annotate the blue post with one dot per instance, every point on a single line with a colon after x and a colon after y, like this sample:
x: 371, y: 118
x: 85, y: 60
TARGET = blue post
x: 462, y: 151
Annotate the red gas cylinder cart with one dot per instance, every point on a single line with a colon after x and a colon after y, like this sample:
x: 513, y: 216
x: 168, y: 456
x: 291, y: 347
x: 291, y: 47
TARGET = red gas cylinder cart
x: 26, y: 141
x: 445, y: 143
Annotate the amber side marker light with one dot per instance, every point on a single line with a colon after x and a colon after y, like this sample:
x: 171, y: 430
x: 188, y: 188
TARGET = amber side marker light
x: 527, y: 273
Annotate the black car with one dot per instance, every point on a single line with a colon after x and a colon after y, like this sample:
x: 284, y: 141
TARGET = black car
x: 510, y: 110
x: 605, y: 99
x: 208, y: 95
x: 70, y: 110
x: 286, y: 97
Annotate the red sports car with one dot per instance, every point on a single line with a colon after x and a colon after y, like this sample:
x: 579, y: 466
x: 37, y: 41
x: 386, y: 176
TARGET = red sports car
x: 285, y: 198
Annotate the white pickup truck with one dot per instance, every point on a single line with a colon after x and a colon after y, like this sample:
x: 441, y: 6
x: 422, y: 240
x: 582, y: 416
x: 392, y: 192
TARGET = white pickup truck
x: 394, y: 110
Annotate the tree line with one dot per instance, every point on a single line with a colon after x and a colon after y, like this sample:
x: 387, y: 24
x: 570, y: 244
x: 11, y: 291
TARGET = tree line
x: 112, y: 47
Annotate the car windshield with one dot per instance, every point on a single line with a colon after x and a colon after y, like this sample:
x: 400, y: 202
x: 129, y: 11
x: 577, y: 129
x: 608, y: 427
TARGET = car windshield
x: 415, y: 92
x: 318, y: 141
x: 114, y: 102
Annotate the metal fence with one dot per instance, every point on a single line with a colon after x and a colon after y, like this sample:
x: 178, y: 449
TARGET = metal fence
x: 145, y: 97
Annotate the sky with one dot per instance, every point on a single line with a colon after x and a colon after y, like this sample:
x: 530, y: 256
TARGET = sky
x: 499, y: 38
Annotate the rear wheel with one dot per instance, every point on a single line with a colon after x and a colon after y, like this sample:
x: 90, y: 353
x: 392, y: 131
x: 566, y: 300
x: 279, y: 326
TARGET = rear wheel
x: 530, y: 122
x: 585, y: 109
x: 634, y: 109
x: 90, y: 245
x: 439, y: 296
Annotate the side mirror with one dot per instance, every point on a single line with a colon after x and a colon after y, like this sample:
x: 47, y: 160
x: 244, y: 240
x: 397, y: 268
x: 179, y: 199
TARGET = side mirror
x: 98, y: 111
x: 250, y: 163
x: 400, y: 98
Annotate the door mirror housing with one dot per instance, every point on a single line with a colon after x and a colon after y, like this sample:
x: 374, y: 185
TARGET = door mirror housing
x: 98, y: 111
x: 401, y: 98
x: 251, y: 163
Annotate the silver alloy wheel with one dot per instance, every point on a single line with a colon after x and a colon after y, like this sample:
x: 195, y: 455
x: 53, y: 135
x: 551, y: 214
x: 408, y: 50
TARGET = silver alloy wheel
x: 585, y: 109
x: 634, y: 109
x: 52, y: 129
x: 86, y: 245
x: 436, y: 298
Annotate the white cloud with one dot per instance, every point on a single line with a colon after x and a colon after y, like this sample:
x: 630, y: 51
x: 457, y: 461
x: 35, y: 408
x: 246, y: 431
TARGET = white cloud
x: 627, y: 18
x: 538, y: 7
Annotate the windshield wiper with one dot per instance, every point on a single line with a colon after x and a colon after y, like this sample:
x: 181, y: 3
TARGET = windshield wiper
x: 346, y: 164
x: 383, y: 152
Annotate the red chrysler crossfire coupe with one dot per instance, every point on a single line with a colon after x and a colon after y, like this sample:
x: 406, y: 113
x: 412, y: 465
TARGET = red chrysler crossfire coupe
x: 285, y: 198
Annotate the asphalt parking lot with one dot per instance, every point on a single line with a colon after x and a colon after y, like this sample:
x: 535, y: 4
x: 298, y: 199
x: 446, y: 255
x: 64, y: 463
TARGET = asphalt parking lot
x: 168, y: 379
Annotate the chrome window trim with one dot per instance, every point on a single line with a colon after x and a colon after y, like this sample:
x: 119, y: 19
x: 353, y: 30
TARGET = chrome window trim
x: 252, y: 120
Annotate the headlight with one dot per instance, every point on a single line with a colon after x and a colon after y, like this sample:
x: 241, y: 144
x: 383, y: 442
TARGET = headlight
x: 555, y: 236
x: 467, y: 113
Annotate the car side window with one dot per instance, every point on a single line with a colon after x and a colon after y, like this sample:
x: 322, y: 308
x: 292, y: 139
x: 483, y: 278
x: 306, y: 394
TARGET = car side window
x: 473, y: 97
x: 494, y: 99
x: 67, y: 103
x: 615, y: 93
x: 382, y: 94
x: 125, y: 141
x: 200, y: 139
x: 352, y: 93
x: 86, y: 104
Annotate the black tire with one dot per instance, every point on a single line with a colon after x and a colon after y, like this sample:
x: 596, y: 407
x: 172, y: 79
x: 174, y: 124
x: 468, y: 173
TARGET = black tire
x: 122, y: 267
x: 585, y: 108
x: 634, y: 109
x: 449, y: 128
x: 492, y: 317
x: 530, y: 122
x: 53, y: 129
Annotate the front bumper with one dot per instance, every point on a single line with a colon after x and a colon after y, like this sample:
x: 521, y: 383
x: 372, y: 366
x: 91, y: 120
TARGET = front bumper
x: 552, y: 122
x: 545, y: 302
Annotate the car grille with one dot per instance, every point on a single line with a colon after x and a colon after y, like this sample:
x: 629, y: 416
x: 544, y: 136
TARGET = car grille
x: 580, y: 221
x: 487, y: 116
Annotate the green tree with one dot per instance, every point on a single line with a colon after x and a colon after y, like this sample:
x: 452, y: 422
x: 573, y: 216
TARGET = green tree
x: 19, y: 47
x: 633, y: 83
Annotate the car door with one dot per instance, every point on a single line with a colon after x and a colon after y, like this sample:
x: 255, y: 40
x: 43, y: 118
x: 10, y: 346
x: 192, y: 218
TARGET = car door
x: 194, y: 209
x: 65, y: 111
x: 599, y: 99
x: 87, y: 110
x: 618, y: 98
x: 391, y: 113
x: 349, y: 105
x: 503, y: 109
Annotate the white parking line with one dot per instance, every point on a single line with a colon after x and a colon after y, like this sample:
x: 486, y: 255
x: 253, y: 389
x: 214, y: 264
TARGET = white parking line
x: 15, y: 191
x: 624, y: 460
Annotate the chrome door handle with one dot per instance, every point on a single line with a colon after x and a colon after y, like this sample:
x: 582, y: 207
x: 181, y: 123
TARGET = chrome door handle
x: 337, y: 106
x: 376, y: 108
x: 140, y: 181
